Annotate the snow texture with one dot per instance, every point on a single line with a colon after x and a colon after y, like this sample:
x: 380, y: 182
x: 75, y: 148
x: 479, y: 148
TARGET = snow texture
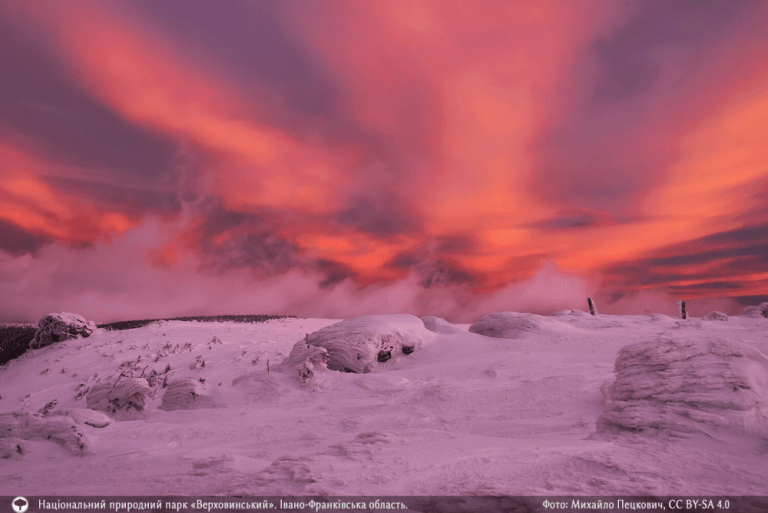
x: 686, y: 386
x: 306, y: 362
x: 122, y: 394
x: 517, y: 325
x: 63, y: 429
x: 439, y: 325
x: 56, y: 327
x: 364, y: 344
x: 464, y: 415
x: 187, y: 394
x: 715, y: 316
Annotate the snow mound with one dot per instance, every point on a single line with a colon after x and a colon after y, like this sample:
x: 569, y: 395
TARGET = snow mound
x: 187, y: 394
x: 56, y: 327
x: 574, y: 313
x: 688, y: 386
x: 363, y: 344
x: 661, y: 317
x: 123, y: 395
x: 760, y: 310
x: 515, y: 325
x: 439, y: 325
x: 715, y: 316
x: 306, y: 361
x: 87, y: 417
x: 62, y: 429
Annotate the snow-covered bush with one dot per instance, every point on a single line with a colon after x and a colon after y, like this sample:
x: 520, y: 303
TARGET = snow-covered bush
x: 760, y: 310
x: 18, y: 426
x: 56, y: 327
x: 515, y: 325
x: 187, y: 394
x: 687, y: 386
x: 123, y: 394
x: 363, y: 344
x: 715, y: 316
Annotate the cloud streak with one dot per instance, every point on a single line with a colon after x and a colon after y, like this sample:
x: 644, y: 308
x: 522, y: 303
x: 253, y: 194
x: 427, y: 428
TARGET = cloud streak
x: 410, y: 155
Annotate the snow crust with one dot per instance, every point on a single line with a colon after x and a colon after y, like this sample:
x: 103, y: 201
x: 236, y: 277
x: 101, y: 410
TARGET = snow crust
x: 684, y: 386
x: 364, y: 344
x: 463, y: 414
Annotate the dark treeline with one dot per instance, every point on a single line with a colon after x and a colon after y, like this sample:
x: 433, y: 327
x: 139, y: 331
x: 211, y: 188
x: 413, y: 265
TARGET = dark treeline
x: 14, y: 340
x: 129, y: 325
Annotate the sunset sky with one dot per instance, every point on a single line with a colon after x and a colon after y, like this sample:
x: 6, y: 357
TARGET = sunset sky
x: 339, y: 158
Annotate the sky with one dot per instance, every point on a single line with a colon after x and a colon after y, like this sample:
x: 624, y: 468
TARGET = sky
x: 338, y: 158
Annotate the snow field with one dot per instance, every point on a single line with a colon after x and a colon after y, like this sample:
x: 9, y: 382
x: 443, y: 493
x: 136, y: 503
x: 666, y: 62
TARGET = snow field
x: 462, y: 414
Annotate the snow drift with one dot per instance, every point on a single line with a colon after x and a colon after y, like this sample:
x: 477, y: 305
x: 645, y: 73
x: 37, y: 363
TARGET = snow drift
x: 760, y: 310
x: 715, y: 316
x: 439, y: 325
x: 56, y: 327
x: 121, y: 395
x: 516, y: 325
x: 683, y: 387
x: 187, y: 394
x: 363, y: 344
x: 62, y: 428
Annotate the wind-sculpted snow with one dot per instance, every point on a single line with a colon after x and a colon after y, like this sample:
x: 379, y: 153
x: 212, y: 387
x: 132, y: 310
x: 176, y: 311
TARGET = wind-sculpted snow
x: 306, y: 361
x: 439, y: 325
x: 517, y: 325
x: 64, y: 429
x: 685, y: 386
x: 758, y: 311
x: 121, y: 395
x: 187, y: 394
x: 364, y: 344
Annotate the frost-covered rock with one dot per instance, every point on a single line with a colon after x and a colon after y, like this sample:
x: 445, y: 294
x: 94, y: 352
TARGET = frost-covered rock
x: 363, y: 344
x: 715, y: 316
x: 439, y: 325
x: 56, y: 327
x: 306, y: 361
x: 516, y: 325
x: 120, y: 395
x: 187, y: 394
x: 688, y: 386
x: 760, y: 310
x: 28, y: 426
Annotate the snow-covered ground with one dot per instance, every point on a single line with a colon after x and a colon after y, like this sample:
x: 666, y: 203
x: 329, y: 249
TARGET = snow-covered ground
x: 458, y: 413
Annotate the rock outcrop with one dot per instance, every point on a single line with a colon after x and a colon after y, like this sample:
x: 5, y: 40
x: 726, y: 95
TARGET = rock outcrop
x: 56, y: 327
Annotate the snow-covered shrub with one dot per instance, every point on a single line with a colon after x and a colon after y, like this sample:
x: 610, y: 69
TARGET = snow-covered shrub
x: 760, y: 310
x: 122, y: 394
x: 56, y: 327
x: 715, y: 316
x: 187, y: 394
x: 515, y: 325
x: 687, y: 386
x: 365, y: 343
x: 62, y: 429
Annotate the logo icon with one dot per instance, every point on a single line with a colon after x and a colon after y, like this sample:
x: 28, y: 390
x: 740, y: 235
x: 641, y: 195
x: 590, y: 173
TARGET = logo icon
x: 20, y: 504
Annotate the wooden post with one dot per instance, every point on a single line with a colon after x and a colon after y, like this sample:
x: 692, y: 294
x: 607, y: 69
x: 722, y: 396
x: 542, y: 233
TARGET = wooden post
x: 592, y: 308
x: 683, y: 313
